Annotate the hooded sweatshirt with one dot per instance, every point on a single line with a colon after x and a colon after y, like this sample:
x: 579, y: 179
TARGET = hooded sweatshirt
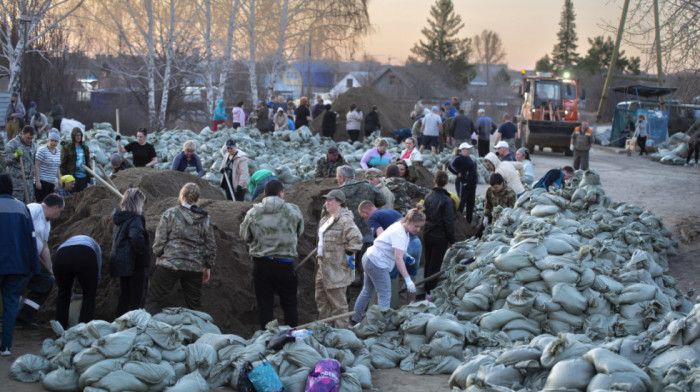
x: 271, y: 229
x: 185, y: 240
x: 509, y: 171
x: 220, y: 111
x: 69, y: 155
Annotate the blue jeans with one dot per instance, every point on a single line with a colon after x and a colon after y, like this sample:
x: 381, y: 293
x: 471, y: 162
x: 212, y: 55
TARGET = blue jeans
x: 376, y: 280
x: 415, y: 249
x: 11, y: 288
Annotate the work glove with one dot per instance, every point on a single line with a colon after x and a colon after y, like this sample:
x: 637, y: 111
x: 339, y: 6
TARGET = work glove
x: 409, y: 260
x: 351, y: 261
x: 410, y: 286
x: 222, y: 170
x: 118, y: 137
x: 18, y: 153
x: 571, y: 147
x: 239, y: 189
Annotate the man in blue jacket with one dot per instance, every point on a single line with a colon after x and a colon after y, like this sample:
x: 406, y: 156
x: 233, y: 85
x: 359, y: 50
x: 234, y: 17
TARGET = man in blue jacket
x: 20, y: 257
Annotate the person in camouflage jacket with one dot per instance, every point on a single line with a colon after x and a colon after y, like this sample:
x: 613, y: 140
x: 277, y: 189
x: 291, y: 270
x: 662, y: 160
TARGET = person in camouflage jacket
x: 11, y: 157
x: 406, y: 194
x: 355, y: 192
x: 271, y: 229
x: 327, y: 165
x: 185, y: 250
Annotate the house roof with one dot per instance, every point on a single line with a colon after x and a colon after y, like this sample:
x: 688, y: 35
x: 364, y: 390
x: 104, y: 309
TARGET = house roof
x: 423, y: 80
x: 645, y: 91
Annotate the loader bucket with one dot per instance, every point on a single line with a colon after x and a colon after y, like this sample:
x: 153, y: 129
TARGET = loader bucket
x: 553, y: 134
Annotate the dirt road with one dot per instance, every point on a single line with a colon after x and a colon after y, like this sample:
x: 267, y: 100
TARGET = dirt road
x: 671, y: 192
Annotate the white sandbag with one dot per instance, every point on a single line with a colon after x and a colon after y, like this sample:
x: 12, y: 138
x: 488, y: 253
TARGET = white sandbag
x: 493, y: 321
x: 296, y: 380
x: 544, y: 210
x: 519, y: 354
x: 444, y: 343
x: 178, y: 354
x: 416, y: 324
x: 444, y: 324
x: 164, y: 335
x: 362, y: 373
x: 520, y: 301
x: 556, y: 246
x: 87, y: 358
x: 608, y: 362
x: 570, y: 374
x: 414, y: 341
x: 500, y: 375
x: 116, y: 344
x: 512, y: 260
x: 61, y: 380
x: 301, y: 354
x: 637, y: 292
x: 562, y: 275
x: 29, y: 368
x: 219, y: 341
x: 349, y: 383
x: 566, y: 346
x: 95, y: 372
x: 629, y: 381
x: 385, y: 356
x: 120, y: 381
x: 343, y: 339
x: 150, y: 373
x: 459, y: 376
x: 569, y: 298
x: 604, y: 284
x: 201, y: 357
x: 138, y: 318
x: 193, y: 382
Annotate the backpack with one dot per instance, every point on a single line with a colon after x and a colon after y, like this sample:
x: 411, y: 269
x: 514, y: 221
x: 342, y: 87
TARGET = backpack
x: 325, y: 377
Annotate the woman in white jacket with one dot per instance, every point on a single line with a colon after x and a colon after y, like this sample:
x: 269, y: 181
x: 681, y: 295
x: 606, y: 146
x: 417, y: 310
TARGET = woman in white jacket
x: 509, y: 171
x: 411, y: 152
x: 353, y: 122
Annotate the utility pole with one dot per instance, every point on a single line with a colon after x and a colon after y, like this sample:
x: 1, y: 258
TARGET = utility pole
x: 659, y: 68
x: 613, y: 61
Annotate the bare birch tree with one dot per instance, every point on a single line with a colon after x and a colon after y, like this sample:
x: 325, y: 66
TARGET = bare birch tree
x: 23, y: 22
x: 489, y: 49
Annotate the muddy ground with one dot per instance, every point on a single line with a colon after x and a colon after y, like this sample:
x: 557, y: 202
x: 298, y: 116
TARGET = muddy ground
x: 670, y: 192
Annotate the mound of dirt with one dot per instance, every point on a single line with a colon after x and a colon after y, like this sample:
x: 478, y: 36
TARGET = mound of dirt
x: 229, y: 296
x: 390, y: 114
x: 689, y: 229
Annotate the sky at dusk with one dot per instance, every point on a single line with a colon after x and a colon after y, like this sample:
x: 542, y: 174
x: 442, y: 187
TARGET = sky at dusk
x: 527, y: 28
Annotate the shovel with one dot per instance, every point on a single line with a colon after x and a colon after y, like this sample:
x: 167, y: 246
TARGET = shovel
x: 228, y: 182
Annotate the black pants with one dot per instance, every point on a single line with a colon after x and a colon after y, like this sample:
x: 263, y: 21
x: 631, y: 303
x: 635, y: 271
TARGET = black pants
x: 39, y: 287
x: 693, y: 149
x: 57, y: 123
x: 354, y: 135
x: 484, y: 147
x: 368, y: 131
x: 47, y: 188
x: 642, y: 143
x: 467, y: 194
x: 435, y: 249
x: 70, y: 262
x: 238, y: 194
x: 133, y: 290
x: 162, y: 283
x: 81, y: 184
x: 275, y: 277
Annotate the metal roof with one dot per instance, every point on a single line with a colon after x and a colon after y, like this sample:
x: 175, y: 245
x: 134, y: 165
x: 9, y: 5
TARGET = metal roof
x: 645, y: 91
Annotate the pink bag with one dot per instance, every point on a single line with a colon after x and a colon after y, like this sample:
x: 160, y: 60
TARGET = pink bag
x: 325, y: 377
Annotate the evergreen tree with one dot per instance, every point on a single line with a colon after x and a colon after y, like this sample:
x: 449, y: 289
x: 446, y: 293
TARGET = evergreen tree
x: 544, y: 64
x: 442, y: 46
x: 564, y: 55
x: 600, y: 54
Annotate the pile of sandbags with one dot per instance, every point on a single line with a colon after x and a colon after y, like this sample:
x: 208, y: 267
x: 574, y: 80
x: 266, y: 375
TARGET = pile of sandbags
x: 673, y: 151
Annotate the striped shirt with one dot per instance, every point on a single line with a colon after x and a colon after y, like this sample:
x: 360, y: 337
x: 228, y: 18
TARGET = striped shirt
x: 48, y: 164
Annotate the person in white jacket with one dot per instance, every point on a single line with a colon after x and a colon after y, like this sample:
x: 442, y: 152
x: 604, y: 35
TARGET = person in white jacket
x: 509, y: 171
x: 353, y: 123
x: 411, y: 153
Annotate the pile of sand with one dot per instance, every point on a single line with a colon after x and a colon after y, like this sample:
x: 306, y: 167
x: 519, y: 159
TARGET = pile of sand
x: 229, y: 296
x: 391, y: 116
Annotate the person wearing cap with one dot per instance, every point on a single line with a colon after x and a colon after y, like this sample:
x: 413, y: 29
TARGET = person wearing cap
x: 21, y: 147
x: 119, y: 163
x: 508, y: 132
x: 74, y: 156
x: 271, y: 230
x: 462, y: 128
x: 280, y: 120
x: 32, y: 110
x: 327, y: 165
x: 187, y: 158
x: 485, y: 128
x: 47, y: 165
x: 375, y: 178
x: 39, y: 121
x: 377, y: 156
x: 68, y: 183
x: 339, y: 240
x: 467, y: 178
x: 19, y: 257
x: 503, y: 152
x: 235, y: 167
x: 14, y: 116
x: 431, y: 126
